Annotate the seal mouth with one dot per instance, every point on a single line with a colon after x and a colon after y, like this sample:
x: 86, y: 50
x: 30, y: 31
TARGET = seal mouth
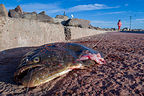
x: 24, y: 71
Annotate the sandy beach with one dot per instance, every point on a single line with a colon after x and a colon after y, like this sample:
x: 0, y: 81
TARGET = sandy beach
x: 122, y: 75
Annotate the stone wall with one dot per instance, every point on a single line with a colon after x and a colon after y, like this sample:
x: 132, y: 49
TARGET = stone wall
x: 77, y: 32
x: 22, y: 32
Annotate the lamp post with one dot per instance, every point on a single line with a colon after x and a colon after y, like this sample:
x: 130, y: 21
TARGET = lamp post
x: 130, y: 22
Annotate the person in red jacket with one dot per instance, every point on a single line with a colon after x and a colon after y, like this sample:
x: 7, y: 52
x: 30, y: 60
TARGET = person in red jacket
x: 119, y: 24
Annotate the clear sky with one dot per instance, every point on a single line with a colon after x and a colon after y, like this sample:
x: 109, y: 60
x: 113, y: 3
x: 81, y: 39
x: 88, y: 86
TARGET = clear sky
x: 101, y: 13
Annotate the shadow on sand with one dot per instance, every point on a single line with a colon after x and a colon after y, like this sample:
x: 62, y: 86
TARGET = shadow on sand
x: 9, y: 60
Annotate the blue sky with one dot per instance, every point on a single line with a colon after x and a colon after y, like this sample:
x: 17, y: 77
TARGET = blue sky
x: 101, y: 13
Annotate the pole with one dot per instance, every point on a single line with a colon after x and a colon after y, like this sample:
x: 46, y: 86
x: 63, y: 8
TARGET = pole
x: 130, y: 22
x: 64, y: 13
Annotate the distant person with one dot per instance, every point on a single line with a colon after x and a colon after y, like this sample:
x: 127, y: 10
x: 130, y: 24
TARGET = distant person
x: 119, y: 24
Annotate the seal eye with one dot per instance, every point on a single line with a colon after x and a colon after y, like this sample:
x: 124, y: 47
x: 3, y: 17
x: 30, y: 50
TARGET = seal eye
x: 36, y: 60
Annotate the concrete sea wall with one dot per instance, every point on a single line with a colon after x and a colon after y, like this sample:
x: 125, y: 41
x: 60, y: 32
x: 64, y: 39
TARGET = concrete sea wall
x: 83, y: 32
x: 21, y: 33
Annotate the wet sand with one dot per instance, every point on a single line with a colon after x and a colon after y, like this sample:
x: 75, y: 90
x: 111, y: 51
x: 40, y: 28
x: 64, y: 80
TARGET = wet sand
x: 123, y: 75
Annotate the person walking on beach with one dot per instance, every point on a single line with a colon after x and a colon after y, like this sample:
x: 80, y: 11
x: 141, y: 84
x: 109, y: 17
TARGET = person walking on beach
x: 119, y: 24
